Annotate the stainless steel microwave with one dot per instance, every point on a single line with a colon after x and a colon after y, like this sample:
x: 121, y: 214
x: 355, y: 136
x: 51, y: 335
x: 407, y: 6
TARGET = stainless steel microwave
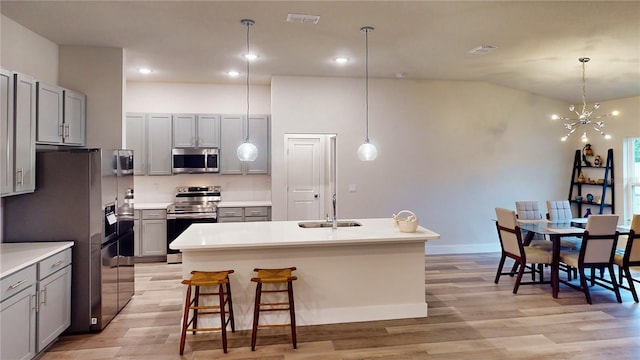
x: 195, y: 160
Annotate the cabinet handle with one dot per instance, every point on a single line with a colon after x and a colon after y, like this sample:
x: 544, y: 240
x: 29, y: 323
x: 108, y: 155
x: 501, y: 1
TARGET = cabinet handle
x: 19, y: 177
x: 33, y: 302
x: 66, y: 130
x: 43, y: 296
x: 17, y: 284
x: 61, y: 130
x: 57, y: 263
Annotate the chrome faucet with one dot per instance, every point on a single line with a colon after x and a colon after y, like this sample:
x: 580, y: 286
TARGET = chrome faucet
x: 335, y: 217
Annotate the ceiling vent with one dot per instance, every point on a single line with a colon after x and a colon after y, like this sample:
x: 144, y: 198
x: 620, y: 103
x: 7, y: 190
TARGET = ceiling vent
x: 482, y: 49
x: 303, y: 19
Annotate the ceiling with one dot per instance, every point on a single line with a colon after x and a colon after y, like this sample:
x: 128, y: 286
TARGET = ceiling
x: 539, y: 42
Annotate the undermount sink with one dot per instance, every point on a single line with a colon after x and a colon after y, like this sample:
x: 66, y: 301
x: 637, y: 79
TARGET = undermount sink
x: 324, y: 224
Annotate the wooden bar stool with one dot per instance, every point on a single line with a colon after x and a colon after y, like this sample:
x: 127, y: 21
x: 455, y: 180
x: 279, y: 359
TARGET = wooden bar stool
x: 274, y: 276
x: 209, y: 279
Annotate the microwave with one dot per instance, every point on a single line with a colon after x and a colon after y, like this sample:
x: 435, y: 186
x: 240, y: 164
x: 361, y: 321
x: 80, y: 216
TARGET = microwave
x: 194, y: 160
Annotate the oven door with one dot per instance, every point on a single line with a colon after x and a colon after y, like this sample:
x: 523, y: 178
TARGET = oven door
x: 176, y: 225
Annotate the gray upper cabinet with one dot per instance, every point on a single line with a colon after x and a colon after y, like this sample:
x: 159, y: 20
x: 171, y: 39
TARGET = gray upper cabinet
x: 6, y: 132
x: 231, y: 136
x: 208, y: 126
x: 136, y: 141
x: 50, y: 100
x: 258, y: 126
x: 159, y: 135
x: 150, y: 138
x: 233, y: 133
x: 196, y: 130
x: 25, y: 134
x: 75, y: 117
x: 184, y: 130
x: 61, y: 115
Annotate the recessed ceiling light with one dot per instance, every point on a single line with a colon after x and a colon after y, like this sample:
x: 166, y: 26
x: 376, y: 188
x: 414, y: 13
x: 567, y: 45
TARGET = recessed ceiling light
x: 341, y: 60
x: 250, y: 56
x: 233, y: 73
x: 145, y: 71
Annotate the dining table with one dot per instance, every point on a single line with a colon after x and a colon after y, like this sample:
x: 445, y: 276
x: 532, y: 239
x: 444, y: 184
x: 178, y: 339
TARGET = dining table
x: 554, y: 231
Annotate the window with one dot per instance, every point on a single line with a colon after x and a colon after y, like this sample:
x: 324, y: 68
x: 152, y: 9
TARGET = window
x: 631, y: 175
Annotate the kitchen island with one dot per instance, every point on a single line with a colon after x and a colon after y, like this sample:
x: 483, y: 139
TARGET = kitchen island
x: 349, y: 274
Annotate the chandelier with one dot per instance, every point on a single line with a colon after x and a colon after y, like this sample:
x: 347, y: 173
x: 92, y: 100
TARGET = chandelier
x: 584, y: 118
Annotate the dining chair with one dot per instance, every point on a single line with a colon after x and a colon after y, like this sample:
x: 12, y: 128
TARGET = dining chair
x: 510, y: 236
x: 560, y: 211
x: 596, y: 252
x: 530, y: 210
x: 629, y: 257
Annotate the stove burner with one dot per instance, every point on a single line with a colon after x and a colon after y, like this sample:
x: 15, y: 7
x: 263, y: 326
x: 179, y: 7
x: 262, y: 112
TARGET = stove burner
x: 195, y: 201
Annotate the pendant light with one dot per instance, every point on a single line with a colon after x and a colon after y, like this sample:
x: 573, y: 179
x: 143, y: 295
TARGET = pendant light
x: 584, y: 119
x: 367, y: 151
x: 247, y: 151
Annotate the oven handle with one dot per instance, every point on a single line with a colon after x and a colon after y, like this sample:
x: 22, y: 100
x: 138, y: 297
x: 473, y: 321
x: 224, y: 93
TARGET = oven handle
x: 171, y: 216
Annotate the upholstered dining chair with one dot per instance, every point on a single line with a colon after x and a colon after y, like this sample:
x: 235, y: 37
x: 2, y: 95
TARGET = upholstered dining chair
x: 629, y: 257
x: 560, y: 211
x: 596, y: 252
x: 530, y: 210
x: 510, y: 237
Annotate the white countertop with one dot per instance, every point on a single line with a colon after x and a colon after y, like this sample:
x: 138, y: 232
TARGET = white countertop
x: 244, y: 203
x: 17, y: 256
x: 288, y: 233
x: 151, y: 206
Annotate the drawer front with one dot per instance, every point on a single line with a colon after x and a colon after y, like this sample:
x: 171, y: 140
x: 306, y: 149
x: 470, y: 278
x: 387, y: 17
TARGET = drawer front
x: 255, y: 218
x: 17, y: 281
x: 256, y: 211
x: 154, y: 214
x: 136, y: 214
x: 230, y: 212
x: 54, y: 263
x: 229, y: 219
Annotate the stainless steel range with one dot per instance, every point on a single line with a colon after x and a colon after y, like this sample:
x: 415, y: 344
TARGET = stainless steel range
x: 193, y: 204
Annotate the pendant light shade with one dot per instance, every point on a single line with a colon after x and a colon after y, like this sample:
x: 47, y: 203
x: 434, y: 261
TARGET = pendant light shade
x: 367, y: 151
x: 247, y: 151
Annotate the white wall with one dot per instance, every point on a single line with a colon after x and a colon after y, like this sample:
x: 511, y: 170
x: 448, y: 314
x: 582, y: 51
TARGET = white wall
x: 449, y: 151
x: 24, y: 51
x: 98, y: 73
x: 627, y: 124
x: 199, y: 98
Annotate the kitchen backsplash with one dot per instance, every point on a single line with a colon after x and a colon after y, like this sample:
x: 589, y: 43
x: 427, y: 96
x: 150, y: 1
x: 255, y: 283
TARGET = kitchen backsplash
x: 153, y: 189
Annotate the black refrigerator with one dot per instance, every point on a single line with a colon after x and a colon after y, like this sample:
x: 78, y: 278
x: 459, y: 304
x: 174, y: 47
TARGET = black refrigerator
x: 86, y: 196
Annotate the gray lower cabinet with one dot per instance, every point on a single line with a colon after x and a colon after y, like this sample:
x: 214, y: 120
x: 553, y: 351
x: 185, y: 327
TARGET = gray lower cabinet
x: 150, y: 232
x: 18, y: 315
x: 35, y: 307
x: 244, y: 214
x: 54, y: 297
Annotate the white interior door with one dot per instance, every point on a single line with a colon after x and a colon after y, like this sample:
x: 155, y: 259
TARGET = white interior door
x: 305, y: 174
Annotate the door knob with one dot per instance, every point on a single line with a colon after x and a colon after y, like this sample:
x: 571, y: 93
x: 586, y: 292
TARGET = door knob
x: 315, y: 196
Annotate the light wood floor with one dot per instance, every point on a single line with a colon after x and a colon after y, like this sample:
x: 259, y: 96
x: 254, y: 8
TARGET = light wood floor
x: 469, y: 318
